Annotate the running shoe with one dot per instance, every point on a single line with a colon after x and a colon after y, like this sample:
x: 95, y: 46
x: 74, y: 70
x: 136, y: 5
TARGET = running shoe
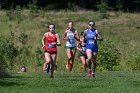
x: 48, y: 67
x: 93, y: 74
x: 89, y: 73
x: 67, y: 65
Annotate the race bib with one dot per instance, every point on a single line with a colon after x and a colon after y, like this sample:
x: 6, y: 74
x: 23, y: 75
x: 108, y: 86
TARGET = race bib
x: 84, y: 48
x: 91, y: 42
x: 71, y: 41
x: 50, y: 46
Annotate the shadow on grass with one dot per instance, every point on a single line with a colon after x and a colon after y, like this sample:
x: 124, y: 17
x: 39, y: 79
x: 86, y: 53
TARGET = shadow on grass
x: 14, y: 75
x: 11, y: 79
x: 136, y: 83
x: 9, y: 83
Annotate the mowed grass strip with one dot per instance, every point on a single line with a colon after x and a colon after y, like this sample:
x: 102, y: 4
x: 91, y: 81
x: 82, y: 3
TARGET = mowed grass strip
x: 107, y: 82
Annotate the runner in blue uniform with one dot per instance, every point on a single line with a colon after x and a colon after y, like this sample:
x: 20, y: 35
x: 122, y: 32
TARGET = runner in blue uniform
x: 91, y: 35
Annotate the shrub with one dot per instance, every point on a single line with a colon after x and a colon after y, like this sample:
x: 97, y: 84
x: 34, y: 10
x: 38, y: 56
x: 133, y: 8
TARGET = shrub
x: 103, y: 7
x: 39, y: 56
x: 8, y: 54
x: 72, y: 7
x: 108, y: 56
x: 134, y: 62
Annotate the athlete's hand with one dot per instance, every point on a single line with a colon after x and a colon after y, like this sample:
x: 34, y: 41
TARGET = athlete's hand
x: 54, y: 43
x: 43, y: 47
x: 66, y: 38
x: 80, y: 49
x: 83, y: 44
x: 95, y: 38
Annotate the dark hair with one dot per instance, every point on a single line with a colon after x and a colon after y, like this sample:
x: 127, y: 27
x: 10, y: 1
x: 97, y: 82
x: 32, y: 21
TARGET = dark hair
x: 81, y: 34
x: 51, y: 24
x: 91, y: 21
x: 71, y: 22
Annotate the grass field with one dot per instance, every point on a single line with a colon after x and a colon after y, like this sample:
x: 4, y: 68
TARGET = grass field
x: 105, y: 82
x: 122, y: 29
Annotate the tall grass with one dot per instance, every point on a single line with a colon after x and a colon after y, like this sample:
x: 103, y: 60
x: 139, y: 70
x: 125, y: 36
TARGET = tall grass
x: 122, y: 29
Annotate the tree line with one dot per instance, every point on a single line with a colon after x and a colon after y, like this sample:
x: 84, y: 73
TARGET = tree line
x: 125, y: 5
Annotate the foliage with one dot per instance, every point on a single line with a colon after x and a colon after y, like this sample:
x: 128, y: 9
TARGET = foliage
x: 131, y: 5
x: 119, y: 5
x: 24, y: 49
x: 39, y: 55
x: 23, y: 38
x: 33, y: 8
x: 72, y: 7
x: 8, y: 53
x: 134, y: 62
x: 28, y: 32
x: 103, y: 8
x: 108, y: 55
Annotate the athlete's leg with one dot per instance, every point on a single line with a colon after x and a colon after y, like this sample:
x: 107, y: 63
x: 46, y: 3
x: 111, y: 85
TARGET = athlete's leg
x: 89, y: 58
x: 73, y: 53
x: 47, y: 60
x: 83, y: 59
x: 69, y: 57
x: 53, y: 63
x: 54, y: 60
x: 94, y: 62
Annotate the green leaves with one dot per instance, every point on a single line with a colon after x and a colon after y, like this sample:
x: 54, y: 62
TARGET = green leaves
x: 8, y: 52
x: 108, y: 55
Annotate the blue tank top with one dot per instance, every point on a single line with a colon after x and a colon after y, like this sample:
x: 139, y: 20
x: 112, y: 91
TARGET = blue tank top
x: 90, y: 42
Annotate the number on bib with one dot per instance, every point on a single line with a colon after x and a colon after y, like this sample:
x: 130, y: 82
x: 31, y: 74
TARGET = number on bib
x: 91, y: 42
x: 71, y: 41
x: 50, y: 46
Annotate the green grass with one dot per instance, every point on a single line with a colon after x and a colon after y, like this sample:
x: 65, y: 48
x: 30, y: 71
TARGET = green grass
x: 122, y: 29
x: 107, y: 82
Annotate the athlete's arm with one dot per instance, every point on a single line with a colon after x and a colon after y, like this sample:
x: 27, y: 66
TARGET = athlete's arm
x: 58, y: 41
x: 43, y: 40
x: 78, y: 48
x: 84, y: 35
x: 99, y: 36
x: 65, y: 35
x: 77, y: 36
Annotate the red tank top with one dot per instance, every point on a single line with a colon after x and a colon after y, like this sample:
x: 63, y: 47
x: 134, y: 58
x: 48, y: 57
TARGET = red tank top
x: 49, y: 39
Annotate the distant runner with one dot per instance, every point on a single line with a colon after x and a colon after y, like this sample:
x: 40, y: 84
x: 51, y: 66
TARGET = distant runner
x: 81, y: 46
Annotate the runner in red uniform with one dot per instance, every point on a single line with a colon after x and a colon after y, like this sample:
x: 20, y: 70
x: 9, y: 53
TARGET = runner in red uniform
x: 50, y: 41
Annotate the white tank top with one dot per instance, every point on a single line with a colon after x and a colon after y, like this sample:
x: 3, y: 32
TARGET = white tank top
x: 71, y: 39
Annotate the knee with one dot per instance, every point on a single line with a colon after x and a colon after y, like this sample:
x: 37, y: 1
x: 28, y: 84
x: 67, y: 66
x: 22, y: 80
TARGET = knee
x: 48, y: 60
x: 89, y: 58
x: 69, y: 58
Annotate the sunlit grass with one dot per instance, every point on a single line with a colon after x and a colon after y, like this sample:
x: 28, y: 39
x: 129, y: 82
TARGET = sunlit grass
x: 122, y: 29
x: 107, y: 82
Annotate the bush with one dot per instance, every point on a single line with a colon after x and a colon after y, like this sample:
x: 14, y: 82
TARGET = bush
x: 39, y: 56
x: 108, y: 56
x: 103, y: 7
x: 72, y: 7
x: 7, y: 54
x: 134, y: 62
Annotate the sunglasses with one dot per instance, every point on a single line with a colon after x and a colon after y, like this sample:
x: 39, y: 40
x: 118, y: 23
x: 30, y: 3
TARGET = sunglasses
x: 51, y: 28
x: 91, y: 24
